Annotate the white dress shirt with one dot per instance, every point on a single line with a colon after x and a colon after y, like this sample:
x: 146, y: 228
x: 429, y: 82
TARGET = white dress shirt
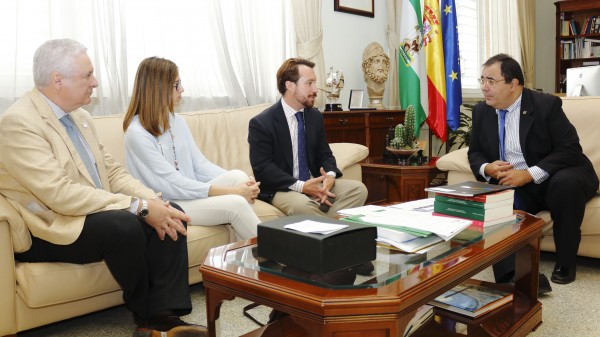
x: 513, y: 152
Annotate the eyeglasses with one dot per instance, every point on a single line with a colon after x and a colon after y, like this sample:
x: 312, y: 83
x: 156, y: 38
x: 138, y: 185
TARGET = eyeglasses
x: 490, y: 81
x: 178, y: 86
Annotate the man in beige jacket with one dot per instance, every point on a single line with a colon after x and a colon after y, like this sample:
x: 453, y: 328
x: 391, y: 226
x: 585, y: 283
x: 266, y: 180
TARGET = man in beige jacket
x: 80, y: 205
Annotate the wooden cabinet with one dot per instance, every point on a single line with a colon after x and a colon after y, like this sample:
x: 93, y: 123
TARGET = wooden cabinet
x: 569, y: 53
x: 366, y: 127
x: 390, y: 183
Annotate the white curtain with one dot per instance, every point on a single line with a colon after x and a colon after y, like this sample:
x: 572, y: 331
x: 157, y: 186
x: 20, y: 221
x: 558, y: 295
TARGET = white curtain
x: 393, y: 36
x: 309, y: 35
x: 501, y: 28
x: 228, y: 51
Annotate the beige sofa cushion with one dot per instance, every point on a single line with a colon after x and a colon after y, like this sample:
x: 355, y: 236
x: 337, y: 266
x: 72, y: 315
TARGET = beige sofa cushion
x: 456, y: 162
x: 222, y: 135
x: 353, y: 153
x: 71, y: 282
x: 579, y: 110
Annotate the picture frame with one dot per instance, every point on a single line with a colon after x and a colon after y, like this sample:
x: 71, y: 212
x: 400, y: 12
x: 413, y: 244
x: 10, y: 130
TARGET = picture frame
x: 356, y: 99
x: 357, y: 7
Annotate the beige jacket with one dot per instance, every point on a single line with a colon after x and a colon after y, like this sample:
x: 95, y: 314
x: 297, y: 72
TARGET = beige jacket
x: 46, y: 182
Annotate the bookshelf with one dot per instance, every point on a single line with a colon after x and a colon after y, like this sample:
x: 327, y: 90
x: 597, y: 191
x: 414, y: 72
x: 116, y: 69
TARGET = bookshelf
x: 576, y: 44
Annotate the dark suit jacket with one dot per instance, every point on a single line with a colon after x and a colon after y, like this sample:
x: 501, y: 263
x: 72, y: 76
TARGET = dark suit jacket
x: 271, y: 149
x: 548, y: 140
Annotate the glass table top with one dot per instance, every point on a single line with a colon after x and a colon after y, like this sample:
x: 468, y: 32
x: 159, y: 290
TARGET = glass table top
x: 390, y: 264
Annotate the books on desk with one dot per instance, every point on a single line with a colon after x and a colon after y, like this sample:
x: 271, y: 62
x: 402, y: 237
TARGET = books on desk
x: 490, y: 197
x: 475, y: 213
x: 482, y: 224
x: 468, y: 189
x: 473, y: 203
x: 472, y: 300
x: 493, y: 204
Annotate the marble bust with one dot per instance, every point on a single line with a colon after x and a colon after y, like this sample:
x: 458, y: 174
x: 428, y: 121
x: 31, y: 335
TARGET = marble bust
x: 375, y: 66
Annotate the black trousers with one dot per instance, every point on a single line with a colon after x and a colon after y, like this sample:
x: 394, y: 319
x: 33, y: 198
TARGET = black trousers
x: 152, y: 273
x: 564, y: 194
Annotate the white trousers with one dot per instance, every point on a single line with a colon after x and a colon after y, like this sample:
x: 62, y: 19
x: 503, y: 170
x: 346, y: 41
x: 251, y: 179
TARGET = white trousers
x: 222, y: 209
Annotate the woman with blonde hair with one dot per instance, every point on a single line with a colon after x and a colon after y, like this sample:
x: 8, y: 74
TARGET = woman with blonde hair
x: 161, y: 152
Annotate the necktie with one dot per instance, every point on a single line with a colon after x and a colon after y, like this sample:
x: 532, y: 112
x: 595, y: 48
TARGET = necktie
x: 73, y: 133
x: 303, y: 172
x: 518, y: 202
x: 502, y: 118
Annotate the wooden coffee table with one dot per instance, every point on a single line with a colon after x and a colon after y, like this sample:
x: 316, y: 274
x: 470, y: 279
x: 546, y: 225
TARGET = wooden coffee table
x: 383, y: 304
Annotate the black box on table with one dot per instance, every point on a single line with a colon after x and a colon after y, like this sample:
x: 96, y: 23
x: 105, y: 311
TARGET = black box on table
x: 316, y: 253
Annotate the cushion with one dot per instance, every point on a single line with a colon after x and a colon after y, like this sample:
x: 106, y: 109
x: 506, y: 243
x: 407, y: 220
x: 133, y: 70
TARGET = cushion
x: 454, y: 161
x: 348, y: 154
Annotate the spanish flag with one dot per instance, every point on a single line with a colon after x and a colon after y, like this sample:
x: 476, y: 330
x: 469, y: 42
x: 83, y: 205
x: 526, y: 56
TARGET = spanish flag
x: 436, y: 75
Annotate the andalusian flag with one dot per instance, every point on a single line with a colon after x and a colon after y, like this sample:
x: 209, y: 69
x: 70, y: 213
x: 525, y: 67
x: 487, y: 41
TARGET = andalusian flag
x: 451, y: 63
x: 436, y: 77
x: 411, y: 65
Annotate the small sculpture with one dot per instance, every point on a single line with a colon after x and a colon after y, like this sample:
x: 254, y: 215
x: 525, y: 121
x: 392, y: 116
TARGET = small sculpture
x: 375, y: 65
x: 334, y: 83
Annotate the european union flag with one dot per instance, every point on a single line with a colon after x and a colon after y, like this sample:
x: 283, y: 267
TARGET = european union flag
x: 451, y: 63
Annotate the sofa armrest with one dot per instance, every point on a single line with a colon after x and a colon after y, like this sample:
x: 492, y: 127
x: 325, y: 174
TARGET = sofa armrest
x: 457, y: 165
x: 348, y: 156
x: 8, y: 291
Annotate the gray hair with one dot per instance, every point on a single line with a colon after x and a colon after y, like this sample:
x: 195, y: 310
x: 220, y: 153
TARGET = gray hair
x: 55, y: 55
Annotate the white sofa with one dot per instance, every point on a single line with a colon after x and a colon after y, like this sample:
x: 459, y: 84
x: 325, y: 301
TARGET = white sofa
x: 35, y: 294
x: 584, y: 114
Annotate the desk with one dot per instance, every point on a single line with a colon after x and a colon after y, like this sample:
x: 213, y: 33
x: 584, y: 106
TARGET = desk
x: 388, y: 183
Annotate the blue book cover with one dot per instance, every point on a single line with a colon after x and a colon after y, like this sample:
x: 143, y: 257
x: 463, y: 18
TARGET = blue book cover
x: 472, y: 300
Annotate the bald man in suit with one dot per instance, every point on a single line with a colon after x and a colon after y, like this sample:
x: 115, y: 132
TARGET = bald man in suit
x: 80, y: 205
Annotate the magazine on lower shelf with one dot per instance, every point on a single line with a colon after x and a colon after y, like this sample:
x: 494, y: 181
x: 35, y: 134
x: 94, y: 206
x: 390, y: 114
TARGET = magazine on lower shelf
x: 472, y: 299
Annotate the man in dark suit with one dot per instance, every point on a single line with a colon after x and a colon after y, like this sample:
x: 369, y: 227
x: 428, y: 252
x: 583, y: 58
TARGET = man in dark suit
x: 289, y: 152
x: 540, y: 156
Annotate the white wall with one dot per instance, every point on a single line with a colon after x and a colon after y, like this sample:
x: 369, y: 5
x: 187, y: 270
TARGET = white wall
x: 344, y: 40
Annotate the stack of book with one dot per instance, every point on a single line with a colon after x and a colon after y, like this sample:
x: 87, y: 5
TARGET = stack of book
x: 483, y: 203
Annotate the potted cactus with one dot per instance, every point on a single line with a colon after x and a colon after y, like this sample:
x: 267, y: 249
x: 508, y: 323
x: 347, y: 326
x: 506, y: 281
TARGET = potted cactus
x: 404, y: 142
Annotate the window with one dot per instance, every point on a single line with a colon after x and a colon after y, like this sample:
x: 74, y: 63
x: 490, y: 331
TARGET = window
x: 227, y: 50
x: 470, y: 43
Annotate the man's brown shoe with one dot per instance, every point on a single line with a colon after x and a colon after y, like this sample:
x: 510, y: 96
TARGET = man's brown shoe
x: 170, y: 326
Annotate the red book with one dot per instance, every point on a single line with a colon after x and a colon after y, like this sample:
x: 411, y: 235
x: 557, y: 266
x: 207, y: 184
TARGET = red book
x: 477, y: 223
x: 490, y: 197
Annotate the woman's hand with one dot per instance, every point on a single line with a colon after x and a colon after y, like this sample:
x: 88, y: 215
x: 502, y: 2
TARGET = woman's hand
x: 249, y: 190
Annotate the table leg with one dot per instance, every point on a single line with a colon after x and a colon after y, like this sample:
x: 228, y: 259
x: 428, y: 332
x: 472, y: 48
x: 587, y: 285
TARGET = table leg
x: 527, y: 268
x: 214, y: 299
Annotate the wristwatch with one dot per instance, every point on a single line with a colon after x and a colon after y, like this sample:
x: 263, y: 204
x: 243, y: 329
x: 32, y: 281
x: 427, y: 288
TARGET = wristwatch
x: 143, y: 213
